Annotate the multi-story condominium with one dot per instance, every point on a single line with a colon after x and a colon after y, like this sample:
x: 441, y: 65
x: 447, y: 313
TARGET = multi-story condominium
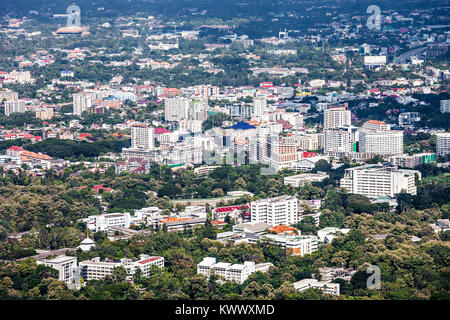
x: 275, y: 211
x: 259, y: 107
x: 295, y: 245
x: 383, y: 142
x: 338, y: 140
x: 336, y: 116
x: 95, y: 269
x: 375, y: 125
x: 310, y: 141
x: 445, y: 106
x: 103, y: 222
x: 82, y: 101
x: 14, y: 106
x: 232, y: 272
x: 408, y: 118
x: 301, y: 179
x: 176, y: 109
x: 379, y: 180
x: 8, y: 95
x: 142, y: 137
x: 326, y: 287
x: 407, y: 161
x: 44, y: 113
x: 442, y: 143
x: 65, y: 265
x: 190, y: 125
x: 281, y: 153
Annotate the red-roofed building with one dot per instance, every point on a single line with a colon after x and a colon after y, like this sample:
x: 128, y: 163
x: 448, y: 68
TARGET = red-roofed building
x: 234, y: 212
x: 101, y: 187
x: 14, y: 151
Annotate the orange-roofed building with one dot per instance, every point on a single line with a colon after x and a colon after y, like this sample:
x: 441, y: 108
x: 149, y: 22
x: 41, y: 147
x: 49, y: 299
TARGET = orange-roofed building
x: 284, y: 229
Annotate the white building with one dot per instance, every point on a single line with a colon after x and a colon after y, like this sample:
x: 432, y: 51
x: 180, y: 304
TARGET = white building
x: 295, y: 245
x: 327, y: 235
x: 95, y: 269
x: 14, y: 106
x: 336, y: 116
x: 259, y: 107
x: 65, y: 265
x: 383, y: 142
x: 232, y: 272
x: 338, y: 140
x: 379, y: 180
x: 326, y: 287
x: 103, y: 222
x: 142, y: 137
x: 176, y: 109
x: 445, y: 106
x: 275, y: 211
x: 442, y: 144
x: 301, y: 179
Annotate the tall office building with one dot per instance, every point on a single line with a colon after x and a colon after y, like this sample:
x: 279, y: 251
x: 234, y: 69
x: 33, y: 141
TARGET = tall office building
x: 379, y: 180
x: 259, y: 107
x: 82, y: 101
x: 445, y: 106
x: 338, y: 140
x: 443, y: 144
x: 275, y: 211
x: 336, y: 116
x: 14, y: 106
x: 383, y: 142
x: 142, y: 137
x: 176, y: 109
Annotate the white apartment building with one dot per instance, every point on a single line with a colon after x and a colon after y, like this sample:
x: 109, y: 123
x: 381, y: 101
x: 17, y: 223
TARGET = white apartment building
x: 376, y: 125
x: 142, y: 137
x: 259, y: 107
x: 336, y: 116
x: 326, y: 287
x: 95, y: 269
x: 9, y: 95
x: 14, y: 106
x: 81, y: 102
x: 445, y: 106
x: 275, y: 211
x: 176, y: 109
x: 383, y: 142
x: 295, y: 245
x: 65, y: 265
x: 310, y: 141
x: 379, y: 180
x: 442, y: 144
x: 103, y: 222
x: 281, y: 153
x: 232, y: 272
x: 337, y: 140
x: 300, y: 179
x: 190, y: 125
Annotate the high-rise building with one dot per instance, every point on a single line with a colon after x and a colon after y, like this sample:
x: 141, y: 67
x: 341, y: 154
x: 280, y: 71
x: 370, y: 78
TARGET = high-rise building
x: 379, y: 180
x: 338, y: 140
x: 375, y: 125
x: 383, y: 142
x: 142, y: 137
x: 445, y: 106
x: 14, y: 106
x: 336, y: 116
x: 275, y: 211
x: 443, y: 144
x: 65, y: 265
x: 259, y: 107
x: 281, y: 153
x: 82, y: 101
x: 176, y: 109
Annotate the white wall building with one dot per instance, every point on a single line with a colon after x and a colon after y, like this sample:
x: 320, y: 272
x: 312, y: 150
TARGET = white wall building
x: 383, y: 142
x: 442, y: 143
x: 65, y: 265
x: 336, y: 116
x: 14, y: 106
x: 176, y: 109
x: 103, y: 222
x: 275, y: 211
x: 379, y: 180
x: 142, y: 136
